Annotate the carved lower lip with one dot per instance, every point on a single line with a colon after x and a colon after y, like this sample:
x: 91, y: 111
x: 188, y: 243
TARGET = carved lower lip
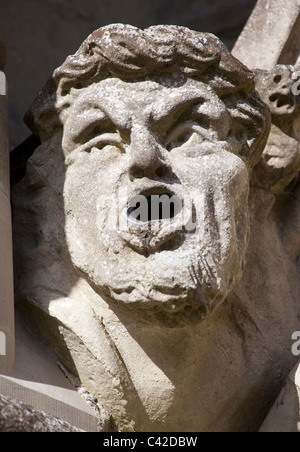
x: 143, y: 208
x: 154, y: 236
x: 159, y: 232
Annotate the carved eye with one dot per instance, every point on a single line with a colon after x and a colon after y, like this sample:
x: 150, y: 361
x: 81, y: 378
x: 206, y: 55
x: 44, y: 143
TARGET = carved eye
x: 180, y: 135
x: 190, y: 125
x: 180, y: 141
x: 277, y: 79
x: 99, y: 135
x: 99, y: 129
x: 100, y: 141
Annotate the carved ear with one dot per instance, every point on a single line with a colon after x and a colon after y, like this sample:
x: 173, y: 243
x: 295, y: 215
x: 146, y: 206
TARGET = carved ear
x: 280, y: 162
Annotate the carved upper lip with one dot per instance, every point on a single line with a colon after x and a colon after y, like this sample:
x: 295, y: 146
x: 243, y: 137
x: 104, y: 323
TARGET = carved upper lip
x: 152, y: 188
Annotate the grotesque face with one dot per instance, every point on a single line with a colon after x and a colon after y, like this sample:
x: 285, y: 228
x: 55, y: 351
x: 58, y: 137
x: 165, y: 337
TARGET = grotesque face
x: 281, y: 156
x: 160, y: 139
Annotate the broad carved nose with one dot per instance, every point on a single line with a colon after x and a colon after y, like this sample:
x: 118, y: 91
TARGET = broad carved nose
x: 146, y: 158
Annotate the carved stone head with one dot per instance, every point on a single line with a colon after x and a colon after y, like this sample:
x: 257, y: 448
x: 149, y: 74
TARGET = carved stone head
x: 281, y: 158
x: 164, y: 115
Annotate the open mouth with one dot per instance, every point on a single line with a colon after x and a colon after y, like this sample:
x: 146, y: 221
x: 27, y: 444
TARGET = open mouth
x: 156, y: 219
x: 155, y: 207
x: 279, y: 100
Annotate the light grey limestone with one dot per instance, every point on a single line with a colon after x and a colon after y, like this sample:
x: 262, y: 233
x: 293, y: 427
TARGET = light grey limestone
x: 280, y: 164
x: 170, y: 328
x: 271, y: 35
x: 270, y: 45
x: 284, y: 416
x: 38, y: 380
x: 17, y: 417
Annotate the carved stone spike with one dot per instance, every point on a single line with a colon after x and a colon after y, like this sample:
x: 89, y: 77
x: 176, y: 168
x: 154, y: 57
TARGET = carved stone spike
x: 271, y: 35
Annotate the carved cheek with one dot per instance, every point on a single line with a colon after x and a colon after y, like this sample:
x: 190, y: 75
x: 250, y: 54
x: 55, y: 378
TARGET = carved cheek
x: 214, y: 166
x: 218, y: 115
x: 90, y: 179
x: 239, y: 177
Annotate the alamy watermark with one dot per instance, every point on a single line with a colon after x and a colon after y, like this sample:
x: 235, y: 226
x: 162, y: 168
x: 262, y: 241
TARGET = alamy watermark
x: 296, y: 345
x: 122, y: 211
x: 295, y: 82
x: 2, y: 84
x: 2, y: 344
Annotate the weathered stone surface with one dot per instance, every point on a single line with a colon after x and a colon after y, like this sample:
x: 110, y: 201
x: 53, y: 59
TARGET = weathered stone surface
x: 186, y: 115
x: 6, y: 266
x: 284, y: 417
x: 61, y: 26
x: 271, y: 35
x: 281, y: 158
x: 17, y: 417
x: 38, y: 380
x: 154, y: 320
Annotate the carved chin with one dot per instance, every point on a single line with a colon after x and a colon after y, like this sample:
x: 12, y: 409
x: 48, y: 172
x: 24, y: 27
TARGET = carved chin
x: 186, y: 307
x: 177, y: 278
x: 173, y: 288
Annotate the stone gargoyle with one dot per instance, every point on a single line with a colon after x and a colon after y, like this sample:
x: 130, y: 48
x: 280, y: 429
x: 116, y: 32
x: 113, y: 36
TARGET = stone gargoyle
x: 153, y: 237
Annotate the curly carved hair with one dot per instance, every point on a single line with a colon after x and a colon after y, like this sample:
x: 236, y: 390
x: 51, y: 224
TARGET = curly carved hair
x: 128, y: 53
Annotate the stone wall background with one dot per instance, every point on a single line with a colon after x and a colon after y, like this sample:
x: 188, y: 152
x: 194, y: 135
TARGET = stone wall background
x: 40, y: 34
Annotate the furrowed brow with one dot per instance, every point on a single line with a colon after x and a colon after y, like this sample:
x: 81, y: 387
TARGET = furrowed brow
x: 177, y: 106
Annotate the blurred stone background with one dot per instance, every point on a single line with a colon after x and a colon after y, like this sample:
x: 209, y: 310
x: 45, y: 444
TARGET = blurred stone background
x: 40, y: 34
